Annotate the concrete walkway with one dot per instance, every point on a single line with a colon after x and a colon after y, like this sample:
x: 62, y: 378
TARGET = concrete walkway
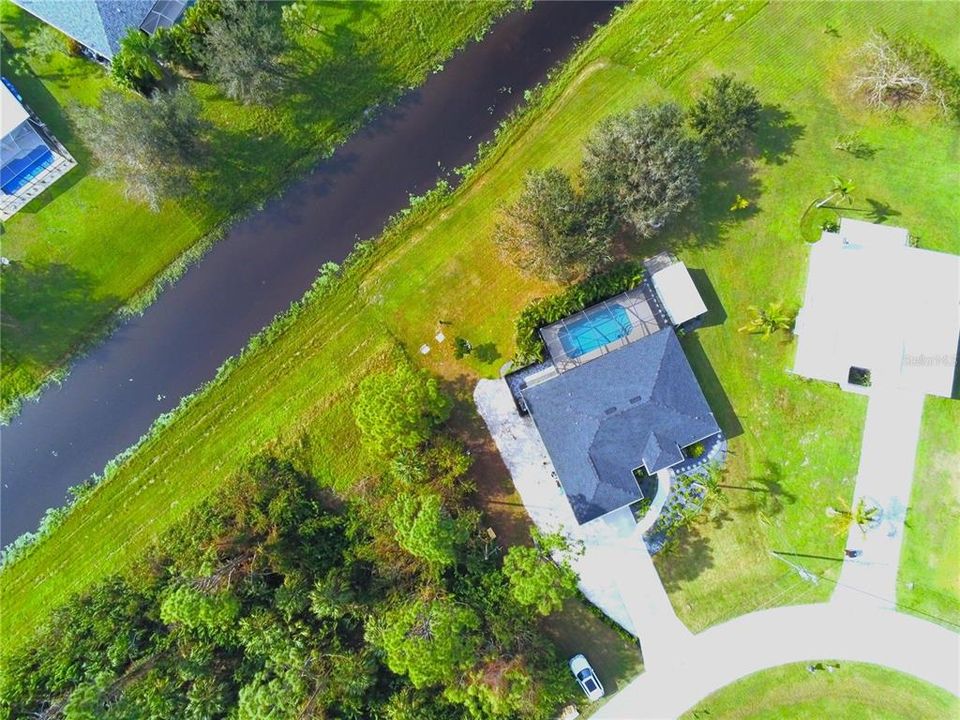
x: 887, y: 456
x: 750, y: 643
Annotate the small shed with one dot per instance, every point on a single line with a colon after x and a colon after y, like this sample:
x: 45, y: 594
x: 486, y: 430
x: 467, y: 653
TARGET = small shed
x: 677, y: 293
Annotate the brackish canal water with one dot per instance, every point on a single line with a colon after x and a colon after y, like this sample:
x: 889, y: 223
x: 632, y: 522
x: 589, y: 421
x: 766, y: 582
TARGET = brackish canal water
x: 114, y: 393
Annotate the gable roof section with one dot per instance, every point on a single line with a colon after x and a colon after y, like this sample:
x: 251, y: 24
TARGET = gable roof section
x: 97, y: 24
x: 637, y: 405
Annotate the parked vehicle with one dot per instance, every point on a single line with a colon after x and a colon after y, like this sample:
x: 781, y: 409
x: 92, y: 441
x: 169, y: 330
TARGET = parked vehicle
x: 586, y: 677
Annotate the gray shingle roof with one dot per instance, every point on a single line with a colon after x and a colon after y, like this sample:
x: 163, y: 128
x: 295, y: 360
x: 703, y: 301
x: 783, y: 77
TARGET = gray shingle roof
x: 637, y: 405
x: 97, y: 24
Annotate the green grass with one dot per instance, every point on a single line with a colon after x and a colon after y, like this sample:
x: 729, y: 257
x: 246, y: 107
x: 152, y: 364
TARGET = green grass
x: 84, y: 251
x: 929, y: 579
x: 794, y: 443
x: 855, y: 691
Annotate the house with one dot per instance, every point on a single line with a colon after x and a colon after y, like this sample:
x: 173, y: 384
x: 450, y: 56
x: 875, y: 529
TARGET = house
x: 878, y: 312
x: 100, y: 25
x: 616, y: 401
x: 31, y: 159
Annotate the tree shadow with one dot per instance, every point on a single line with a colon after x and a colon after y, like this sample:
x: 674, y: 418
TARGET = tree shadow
x: 716, y: 396
x: 777, y: 134
x: 767, y: 493
x: 42, y: 307
x: 685, y: 558
x: 486, y: 353
x: 879, y: 212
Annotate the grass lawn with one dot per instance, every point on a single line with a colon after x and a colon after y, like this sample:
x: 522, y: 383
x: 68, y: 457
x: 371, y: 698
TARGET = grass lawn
x: 855, y: 691
x: 84, y: 251
x: 929, y: 580
x: 794, y: 443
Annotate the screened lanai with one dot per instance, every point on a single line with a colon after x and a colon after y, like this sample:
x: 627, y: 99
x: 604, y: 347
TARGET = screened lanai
x: 608, y: 325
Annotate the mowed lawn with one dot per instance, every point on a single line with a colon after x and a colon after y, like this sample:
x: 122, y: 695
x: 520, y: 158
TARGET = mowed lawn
x: 84, y: 251
x: 794, y: 443
x: 853, y: 691
x: 929, y: 580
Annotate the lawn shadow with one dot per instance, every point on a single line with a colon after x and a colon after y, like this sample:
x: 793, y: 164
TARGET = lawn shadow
x: 44, y: 307
x: 716, y: 313
x: 879, y: 212
x: 716, y: 396
x: 767, y: 493
x: 486, y: 353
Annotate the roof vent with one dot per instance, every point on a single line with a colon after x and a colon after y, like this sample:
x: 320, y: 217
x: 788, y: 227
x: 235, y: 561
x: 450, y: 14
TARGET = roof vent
x: 636, y: 399
x: 610, y: 411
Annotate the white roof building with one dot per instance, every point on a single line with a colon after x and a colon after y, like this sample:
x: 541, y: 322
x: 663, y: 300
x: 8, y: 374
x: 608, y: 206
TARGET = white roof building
x: 875, y: 303
x: 677, y: 293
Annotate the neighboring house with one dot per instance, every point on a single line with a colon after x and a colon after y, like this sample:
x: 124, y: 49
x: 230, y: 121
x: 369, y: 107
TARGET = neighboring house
x: 31, y: 159
x: 617, y: 400
x: 100, y: 25
x: 878, y: 312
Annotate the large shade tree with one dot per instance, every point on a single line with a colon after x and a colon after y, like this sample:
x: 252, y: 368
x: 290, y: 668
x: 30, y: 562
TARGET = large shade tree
x: 424, y: 528
x: 726, y: 113
x: 536, y: 578
x: 243, y: 50
x: 549, y: 231
x: 642, y: 166
x: 151, y: 146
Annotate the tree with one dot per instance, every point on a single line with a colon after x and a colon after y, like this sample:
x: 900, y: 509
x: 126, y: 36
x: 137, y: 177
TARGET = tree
x: 641, y: 167
x: 135, y: 64
x: 399, y: 410
x: 536, y: 579
x: 545, y: 232
x: 429, y: 640
x: 425, y: 530
x: 724, y: 114
x: 243, y: 49
x: 212, y: 614
x: 152, y: 146
x: 861, y: 515
x: 766, y: 321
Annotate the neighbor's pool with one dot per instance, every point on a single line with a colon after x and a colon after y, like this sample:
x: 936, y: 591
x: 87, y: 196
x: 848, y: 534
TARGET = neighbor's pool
x: 595, y: 330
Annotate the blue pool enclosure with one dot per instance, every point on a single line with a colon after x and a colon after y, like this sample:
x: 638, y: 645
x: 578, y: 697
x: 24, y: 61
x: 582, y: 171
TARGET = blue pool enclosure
x: 31, y: 159
x: 601, y: 326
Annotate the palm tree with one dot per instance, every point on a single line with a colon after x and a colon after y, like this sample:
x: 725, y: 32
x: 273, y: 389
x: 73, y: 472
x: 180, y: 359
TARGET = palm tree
x: 135, y: 65
x: 861, y: 514
x: 768, y: 320
x: 842, y: 191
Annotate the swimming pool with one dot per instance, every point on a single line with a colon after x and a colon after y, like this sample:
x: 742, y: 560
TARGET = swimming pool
x: 594, y: 330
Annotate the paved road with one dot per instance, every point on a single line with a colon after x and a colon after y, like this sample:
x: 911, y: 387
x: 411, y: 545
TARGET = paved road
x: 724, y: 653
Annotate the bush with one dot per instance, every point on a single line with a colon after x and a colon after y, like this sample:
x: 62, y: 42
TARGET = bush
x: 135, y: 65
x: 854, y: 144
x: 461, y: 348
x: 694, y: 451
x: 725, y: 113
x: 542, y: 312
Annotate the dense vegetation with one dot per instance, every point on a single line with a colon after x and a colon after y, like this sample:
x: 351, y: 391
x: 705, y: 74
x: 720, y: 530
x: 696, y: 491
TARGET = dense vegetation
x: 792, y: 441
x: 277, y: 598
x: 83, y: 250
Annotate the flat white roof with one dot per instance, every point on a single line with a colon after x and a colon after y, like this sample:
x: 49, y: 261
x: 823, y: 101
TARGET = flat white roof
x: 12, y: 113
x: 874, y: 302
x: 678, y: 294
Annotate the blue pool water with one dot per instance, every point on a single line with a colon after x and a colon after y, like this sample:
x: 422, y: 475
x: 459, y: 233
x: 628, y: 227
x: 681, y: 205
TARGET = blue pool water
x: 595, y: 330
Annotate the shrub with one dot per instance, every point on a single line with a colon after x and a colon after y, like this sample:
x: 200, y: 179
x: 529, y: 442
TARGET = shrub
x: 461, y: 348
x: 694, y: 451
x: 854, y: 144
x: 542, y: 312
x: 135, y: 65
x: 830, y: 226
x: 724, y: 114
